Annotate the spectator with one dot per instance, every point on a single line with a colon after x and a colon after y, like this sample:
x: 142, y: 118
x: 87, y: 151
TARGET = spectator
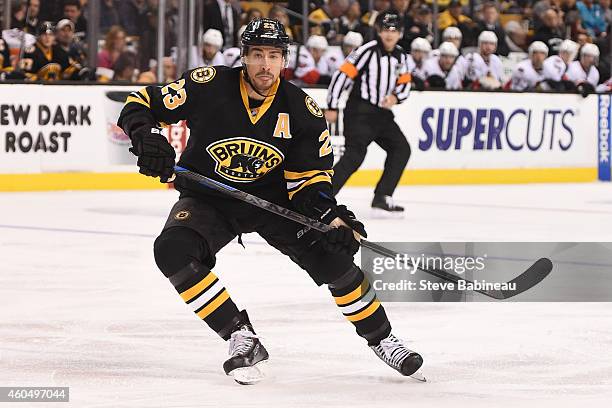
x: 125, y: 67
x: 51, y: 10
x: 114, y: 45
x: 252, y: 14
x: 490, y: 22
x: 150, y: 76
x: 109, y: 15
x: 549, y: 32
x: 210, y: 54
x: 607, y: 12
x: 419, y: 52
x: 5, y: 59
x: 516, y: 37
x: 583, y: 72
x: 279, y: 13
x: 453, y: 16
x: 441, y: 71
x: 72, y: 11
x: 327, y: 20
x: 484, y: 69
x: 422, y: 26
x: 351, y: 21
x: 222, y: 16
x: 131, y: 13
x: 573, y: 22
x: 528, y: 74
x: 380, y: 6
x: 46, y: 60
x: 64, y: 35
x: 400, y: 7
x: 593, y: 18
x: 19, y: 16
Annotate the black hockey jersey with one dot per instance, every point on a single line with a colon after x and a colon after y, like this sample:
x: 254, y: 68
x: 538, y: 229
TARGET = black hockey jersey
x: 47, y: 64
x: 282, y: 144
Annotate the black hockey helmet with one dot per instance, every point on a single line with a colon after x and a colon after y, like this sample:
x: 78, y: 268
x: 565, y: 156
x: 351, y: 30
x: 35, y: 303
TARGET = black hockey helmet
x: 46, y: 27
x: 265, y: 31
x: 388, y: 20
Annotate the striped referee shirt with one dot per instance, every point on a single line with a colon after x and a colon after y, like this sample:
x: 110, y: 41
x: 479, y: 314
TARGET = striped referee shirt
x: 374, y: 74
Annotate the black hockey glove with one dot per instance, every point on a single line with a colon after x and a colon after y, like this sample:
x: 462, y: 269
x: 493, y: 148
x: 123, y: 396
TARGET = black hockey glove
x: 322, y: 206
x: 342, y: 240
x: 585, y: 88
x: 155, y: 155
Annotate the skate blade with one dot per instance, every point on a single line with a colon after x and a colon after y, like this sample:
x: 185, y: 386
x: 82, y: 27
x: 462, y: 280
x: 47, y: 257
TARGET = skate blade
x: 379, y: 214
x: 249, y: 375
x: 418, y: 376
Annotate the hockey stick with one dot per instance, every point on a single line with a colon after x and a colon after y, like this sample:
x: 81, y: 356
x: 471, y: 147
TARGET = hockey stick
x: 528, y: 279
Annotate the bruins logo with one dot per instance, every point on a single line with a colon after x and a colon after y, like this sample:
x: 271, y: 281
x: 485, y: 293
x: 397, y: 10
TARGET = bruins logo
x: 243, y: 159
x: 313, y: 107
x: 182, y: 215
x: 203, y: 75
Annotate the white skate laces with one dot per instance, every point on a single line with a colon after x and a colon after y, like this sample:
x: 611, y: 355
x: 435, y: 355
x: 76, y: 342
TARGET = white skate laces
x: 241, y: 342
x: 392, y: 351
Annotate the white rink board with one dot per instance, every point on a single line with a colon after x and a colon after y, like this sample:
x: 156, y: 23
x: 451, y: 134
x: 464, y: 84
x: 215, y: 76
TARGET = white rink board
x: 561, y: 129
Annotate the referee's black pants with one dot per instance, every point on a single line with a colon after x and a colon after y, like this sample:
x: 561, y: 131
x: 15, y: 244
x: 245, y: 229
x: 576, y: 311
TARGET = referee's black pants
x: 363, y: 124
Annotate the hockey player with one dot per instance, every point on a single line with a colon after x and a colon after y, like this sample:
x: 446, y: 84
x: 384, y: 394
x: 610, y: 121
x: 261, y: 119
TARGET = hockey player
x: 210, y: 54
x: 381, y: 79
x: 454, y: 35
x: 334, y: 57
x: 46, y: 60
x: 443, y: 71
x: 419, y: 52
x: 484, y: 69
x: 252, y: 129
x: 317, y: 46
x: 555, y: 67
x: 302, y: 68
x: 232, y: 57
x: 528, y: 74
x: 583, y: 73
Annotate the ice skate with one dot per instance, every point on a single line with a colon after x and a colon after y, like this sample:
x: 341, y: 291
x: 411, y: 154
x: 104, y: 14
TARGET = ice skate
x: 396, y: 355
x: 247, y: 356
x: 383, y: 207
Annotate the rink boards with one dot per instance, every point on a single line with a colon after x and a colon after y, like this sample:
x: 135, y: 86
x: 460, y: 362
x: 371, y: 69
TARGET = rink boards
x: 56, y: 137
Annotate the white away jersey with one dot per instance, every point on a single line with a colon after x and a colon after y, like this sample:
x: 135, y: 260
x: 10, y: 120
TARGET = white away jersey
x: 232, y: 57
x: 477, y: 68
x: 525, y: 77
x: 577, y: 75
x: 554, y: 68
x: 415, y: 71
x: 453, y: 77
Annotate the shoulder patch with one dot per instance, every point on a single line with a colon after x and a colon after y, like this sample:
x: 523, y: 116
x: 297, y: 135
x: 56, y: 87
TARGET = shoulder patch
x: 313, y: 107
x: 203, y: 75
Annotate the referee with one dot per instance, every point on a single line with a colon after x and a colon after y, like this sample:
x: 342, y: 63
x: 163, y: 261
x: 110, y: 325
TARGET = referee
x: 380, y: 78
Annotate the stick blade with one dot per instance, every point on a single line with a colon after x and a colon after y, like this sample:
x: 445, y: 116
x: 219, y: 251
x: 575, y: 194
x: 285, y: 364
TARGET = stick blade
x: 535, y: 274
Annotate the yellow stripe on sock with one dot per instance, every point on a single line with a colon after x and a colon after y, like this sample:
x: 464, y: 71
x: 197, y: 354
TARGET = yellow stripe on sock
x: 354, y: 295
x: 364, y: 313
x: 212, y: 306
x: 198, y: 287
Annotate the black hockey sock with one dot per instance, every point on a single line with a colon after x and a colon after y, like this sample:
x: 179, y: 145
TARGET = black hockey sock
x: 357, y: 301
x: 204, y: 293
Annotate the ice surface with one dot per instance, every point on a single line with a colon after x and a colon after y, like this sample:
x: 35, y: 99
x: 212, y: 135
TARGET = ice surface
x: 83, y: 305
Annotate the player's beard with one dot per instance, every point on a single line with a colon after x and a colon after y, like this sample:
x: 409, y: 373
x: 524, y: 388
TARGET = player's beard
x: 263, y: 82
